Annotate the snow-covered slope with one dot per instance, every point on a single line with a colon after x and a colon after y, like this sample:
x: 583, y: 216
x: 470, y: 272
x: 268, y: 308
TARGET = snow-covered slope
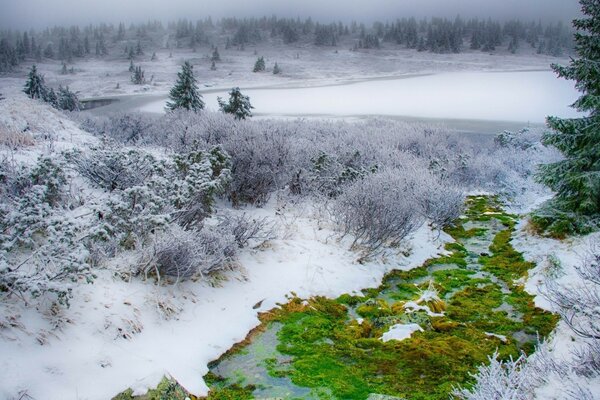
x: 127, y: 332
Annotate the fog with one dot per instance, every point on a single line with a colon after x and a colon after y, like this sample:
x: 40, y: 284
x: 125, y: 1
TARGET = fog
x: 24, y: 14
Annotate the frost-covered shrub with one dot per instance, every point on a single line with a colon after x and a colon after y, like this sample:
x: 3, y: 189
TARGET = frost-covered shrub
x: 42, y: 248
x: 500, y: 380
x: 127, y: 128
x: 181, y: 129
x: 523, y: 139
x: 378, y: 210
x: 200, y: 176
x: 181, y: 254
x: 440, y: 202
x: 328, y: 174
x: 111, y: 167
x: 246, y: 229
x: 259, y: 165
x: 180, y: 189
x: 579, y: 304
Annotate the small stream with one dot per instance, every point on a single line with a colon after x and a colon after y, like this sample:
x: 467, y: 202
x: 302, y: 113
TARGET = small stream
x: 255, y: 364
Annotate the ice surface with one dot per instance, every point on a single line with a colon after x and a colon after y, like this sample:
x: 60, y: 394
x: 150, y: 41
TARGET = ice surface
x: 525, y: 96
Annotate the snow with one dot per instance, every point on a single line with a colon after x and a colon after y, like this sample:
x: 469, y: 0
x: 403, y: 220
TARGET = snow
x: 90, y: 359
x: 526, y: 96
x: 401, y: 332
x: 563, y: 343
x: 121, y: 333
x: 501, y: 337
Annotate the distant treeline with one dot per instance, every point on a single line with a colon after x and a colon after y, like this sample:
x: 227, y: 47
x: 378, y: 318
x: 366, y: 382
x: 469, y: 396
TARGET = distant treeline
x: 438, y: 35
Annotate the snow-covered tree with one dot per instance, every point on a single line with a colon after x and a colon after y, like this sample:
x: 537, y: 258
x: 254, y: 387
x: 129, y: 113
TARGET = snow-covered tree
x: 35, y: 86
x: 259, y: 65
x: 137, y: 76
x: 67, y: 100
x: 238, y: 105
x: 216, y: 57
x: 576, y: 178
x: 185, y: 92
x: 276, y: 69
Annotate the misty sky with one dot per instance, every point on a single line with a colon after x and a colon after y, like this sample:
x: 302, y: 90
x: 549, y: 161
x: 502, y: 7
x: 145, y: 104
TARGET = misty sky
x: 22, y: 14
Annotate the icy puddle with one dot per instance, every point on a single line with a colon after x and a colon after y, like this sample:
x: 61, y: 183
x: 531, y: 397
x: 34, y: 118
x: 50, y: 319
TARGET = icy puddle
x: 421, y: 333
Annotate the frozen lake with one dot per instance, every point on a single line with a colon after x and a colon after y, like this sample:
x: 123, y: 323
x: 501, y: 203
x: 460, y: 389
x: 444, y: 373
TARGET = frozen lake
x: 524, y: 96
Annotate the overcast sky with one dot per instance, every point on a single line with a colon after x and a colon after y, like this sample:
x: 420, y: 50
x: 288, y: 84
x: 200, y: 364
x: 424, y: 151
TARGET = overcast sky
x: 41, y: 13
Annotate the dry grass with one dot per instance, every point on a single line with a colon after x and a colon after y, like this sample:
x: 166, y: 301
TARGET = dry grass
x: 14, y: 139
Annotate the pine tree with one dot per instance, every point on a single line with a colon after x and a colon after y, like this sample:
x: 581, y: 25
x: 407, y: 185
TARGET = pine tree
x: 576, y: 179
x: 276, y: 69
x: 259, y: 65
x: 216, y: 57
x: 49, y: 51
x: 213, y: 66
x: 137, y: 77
x: 67, y: 100
x: 185, y: 92
x: 131, y: 66
x: 238, y: 105
x: 51, y: 98
x: 35, y: 87
x: 63, y: 70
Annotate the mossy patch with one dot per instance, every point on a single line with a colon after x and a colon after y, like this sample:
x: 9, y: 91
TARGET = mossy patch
x: 327, y: 349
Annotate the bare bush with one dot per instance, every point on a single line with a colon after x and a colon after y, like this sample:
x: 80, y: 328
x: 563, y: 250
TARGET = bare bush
x: 245, y: 229
x: 179, y: 254
x: 501, y: 380
x: 260, y: 165
x: 378, y: 210
x: 579, y: 304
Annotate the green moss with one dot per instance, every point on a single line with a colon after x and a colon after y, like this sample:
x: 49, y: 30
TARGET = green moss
x: 338, y: 358
x: 167, y: 389
x: 505, y: 262
x: 449, y: 280
x: 374, y: 308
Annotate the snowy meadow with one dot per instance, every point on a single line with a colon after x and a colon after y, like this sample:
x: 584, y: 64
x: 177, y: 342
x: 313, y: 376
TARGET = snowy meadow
x: 356, y: 228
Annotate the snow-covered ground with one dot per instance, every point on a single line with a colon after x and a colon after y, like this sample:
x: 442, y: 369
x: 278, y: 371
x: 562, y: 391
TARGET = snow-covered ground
x: 120, y: 333
x: 129, y: 333
x: 303, y: 65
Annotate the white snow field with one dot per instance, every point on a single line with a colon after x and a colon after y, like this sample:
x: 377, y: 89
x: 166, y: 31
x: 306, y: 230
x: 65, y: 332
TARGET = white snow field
x: 524, y: 96
x: 118, y: 334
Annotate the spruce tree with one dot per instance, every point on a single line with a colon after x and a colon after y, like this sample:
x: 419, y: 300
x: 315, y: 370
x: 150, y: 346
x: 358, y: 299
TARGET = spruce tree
x: 259, y: 65
x: 185, y: 92
x: 216, y: 57
x: 35, y: 87
x: 137, y: 77
x: 576, y: 178
x: 276, y: 69
x: 238, y: 105
x: 50, y: 97
x: 67, y: 100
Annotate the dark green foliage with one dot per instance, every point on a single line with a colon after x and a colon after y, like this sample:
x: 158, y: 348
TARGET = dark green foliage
x: 35, y: 87
x: 238, y: 105
x: 216, y: 57
x: 67, y: 100
x: 137, y: 77
x: 276, y: 69
x: 185, y: 92
x: 576, y: 179
x: 259, y: 65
